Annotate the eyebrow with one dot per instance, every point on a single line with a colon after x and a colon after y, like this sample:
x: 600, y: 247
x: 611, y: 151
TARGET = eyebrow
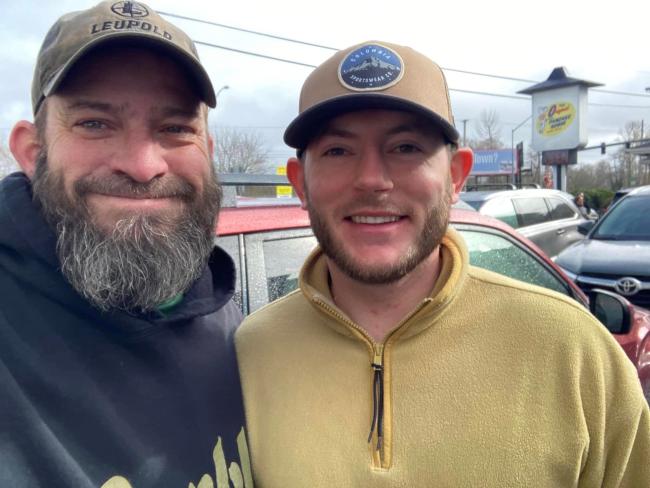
x: 166, y: 111
x: 90, y: 104
x: 187, y: 113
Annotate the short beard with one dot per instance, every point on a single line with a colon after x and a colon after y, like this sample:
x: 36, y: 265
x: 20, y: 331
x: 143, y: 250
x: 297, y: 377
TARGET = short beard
x: 437, y: 220
x: 144, y: 260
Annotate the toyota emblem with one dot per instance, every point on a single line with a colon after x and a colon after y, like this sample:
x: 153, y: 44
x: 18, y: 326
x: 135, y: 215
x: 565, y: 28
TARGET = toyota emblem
x: 627, y: 286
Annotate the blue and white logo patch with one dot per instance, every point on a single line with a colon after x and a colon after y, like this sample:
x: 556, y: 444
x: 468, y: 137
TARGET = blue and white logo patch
x: 371, y: 67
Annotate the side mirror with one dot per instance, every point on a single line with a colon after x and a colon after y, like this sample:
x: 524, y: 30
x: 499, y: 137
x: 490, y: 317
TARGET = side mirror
x: 585, y: 227
x: 611, y: 309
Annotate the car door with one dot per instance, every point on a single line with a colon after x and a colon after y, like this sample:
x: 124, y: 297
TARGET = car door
x: 267, y: 263
x: 566, y: 220
x: 535, y: 222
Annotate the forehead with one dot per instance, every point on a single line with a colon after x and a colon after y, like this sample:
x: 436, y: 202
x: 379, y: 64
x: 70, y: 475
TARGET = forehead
x: 378, y: 122
x: 119, y: 72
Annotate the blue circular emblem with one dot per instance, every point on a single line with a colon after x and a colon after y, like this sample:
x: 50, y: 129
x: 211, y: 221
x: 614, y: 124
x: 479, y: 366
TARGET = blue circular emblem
x: 371, y: 67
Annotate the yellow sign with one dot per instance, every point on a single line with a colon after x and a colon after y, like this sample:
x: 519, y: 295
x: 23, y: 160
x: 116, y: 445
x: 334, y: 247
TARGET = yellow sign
x: 555, y: 119
x: 283, y: 191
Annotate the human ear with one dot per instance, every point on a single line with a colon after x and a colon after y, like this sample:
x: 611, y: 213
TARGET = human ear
x: 295, y: 174
x: 25, y: 145
x: 461, y: 165
x: 210, y: 147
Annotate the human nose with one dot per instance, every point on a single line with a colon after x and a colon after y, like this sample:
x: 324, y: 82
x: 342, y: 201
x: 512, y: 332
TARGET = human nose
x: 372, y: 172
x: 141, y: 158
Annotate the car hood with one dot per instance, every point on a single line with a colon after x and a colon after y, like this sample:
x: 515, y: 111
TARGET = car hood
x: 609, y: 257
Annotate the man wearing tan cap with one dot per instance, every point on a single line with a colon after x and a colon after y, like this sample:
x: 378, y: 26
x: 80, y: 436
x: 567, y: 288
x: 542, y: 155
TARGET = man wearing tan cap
x: 396, y: 364
x: 117, y: 362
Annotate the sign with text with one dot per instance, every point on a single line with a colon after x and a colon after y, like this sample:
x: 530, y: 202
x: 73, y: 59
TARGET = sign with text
x: 557, y: 122
x: 492, y: 162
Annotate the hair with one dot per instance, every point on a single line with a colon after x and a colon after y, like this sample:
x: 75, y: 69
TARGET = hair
x: 40, y: 120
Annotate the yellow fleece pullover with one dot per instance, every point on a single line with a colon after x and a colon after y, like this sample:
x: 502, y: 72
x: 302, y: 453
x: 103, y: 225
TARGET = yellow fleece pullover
x: 488, y: 383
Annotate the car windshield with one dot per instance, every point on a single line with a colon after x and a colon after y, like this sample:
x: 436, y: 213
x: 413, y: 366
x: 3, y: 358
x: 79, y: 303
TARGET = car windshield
x: 476, y: 204
x: 629, y: 220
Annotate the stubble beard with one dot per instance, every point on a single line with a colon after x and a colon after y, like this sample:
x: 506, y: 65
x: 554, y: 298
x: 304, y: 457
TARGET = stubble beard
x: 144, y: 259
x: 436, y: 222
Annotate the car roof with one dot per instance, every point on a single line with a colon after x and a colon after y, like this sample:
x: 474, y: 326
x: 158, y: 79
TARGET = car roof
x: 245, y: 220
x: 474, y: 196
x: 640, y: 190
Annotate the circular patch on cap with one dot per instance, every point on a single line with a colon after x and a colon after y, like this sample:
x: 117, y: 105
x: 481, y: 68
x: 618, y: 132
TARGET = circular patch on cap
x: 131, y: 10
x: 371, y: 67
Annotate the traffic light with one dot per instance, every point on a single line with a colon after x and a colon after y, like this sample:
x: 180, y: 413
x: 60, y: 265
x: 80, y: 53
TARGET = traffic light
x: 603, y: 148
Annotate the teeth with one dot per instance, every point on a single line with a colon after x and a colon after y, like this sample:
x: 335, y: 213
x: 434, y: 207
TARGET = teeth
x: 364, y: 219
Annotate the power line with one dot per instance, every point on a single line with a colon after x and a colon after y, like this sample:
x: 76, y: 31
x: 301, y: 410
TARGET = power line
x: 240, y: 51
x: 516, y: 97
x: 272, y: 36
x: 473, y: 92
x: 305, y: 43
x: 618, y: 106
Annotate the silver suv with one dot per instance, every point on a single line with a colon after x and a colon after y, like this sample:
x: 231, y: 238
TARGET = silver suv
x: 549, y: 218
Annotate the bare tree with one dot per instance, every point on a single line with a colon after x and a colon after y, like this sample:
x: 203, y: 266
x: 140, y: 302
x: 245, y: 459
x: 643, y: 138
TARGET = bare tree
x: 626, y: 166
x: 7, y: 162
x: 488, y: 129
x: 239, y: 152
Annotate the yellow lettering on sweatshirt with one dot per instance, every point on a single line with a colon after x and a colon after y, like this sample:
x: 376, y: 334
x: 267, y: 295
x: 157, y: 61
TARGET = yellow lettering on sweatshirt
x: 240, y: 476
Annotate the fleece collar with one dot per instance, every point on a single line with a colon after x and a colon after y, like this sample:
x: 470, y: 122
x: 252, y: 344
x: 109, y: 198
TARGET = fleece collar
x: 314, y: 284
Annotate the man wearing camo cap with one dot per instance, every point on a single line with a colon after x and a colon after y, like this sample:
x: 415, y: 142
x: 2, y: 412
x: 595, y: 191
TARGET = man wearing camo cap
x: 117, y: 365
x: 396, y: 363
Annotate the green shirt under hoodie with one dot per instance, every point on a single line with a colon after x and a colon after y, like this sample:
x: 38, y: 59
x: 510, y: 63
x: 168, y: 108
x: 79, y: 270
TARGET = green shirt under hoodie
x: 489, y: 382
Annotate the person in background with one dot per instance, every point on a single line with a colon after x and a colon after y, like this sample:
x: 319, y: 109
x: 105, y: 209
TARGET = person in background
x: 396, y: 363
x: 585, y: 209
x: 117, y: 361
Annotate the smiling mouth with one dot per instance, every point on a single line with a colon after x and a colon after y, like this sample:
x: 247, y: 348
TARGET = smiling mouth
x: 374, y: 220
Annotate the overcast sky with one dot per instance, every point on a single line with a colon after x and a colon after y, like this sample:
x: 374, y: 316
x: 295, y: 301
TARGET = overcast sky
x: 605, y: 42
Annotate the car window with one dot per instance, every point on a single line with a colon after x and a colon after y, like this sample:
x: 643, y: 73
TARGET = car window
x: 560, y: 209
x: 497, y: 253
x: 230, y: 244
x: 531, y: 210
x: 502, y: 209
x: 283, y: 259
x: 628, y: 220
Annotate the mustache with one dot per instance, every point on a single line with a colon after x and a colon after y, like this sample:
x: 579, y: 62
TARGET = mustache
x: 375, y: 202
x: 124, y: 186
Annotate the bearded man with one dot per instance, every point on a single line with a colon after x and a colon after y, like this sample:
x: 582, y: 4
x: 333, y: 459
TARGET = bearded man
x: 396, y: 363
x: 117, y: 363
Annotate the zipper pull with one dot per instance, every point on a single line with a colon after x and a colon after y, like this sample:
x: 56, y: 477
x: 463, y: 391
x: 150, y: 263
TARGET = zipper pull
x: 377, y: 397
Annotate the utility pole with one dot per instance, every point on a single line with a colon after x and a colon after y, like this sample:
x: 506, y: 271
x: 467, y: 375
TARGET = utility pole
x: 464, y: 121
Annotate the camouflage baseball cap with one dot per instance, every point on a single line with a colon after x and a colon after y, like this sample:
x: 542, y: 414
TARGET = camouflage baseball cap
x: 371, y: 75
x: 74, y: 34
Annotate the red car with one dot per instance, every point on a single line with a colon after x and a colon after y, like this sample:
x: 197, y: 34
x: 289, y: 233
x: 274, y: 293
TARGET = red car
x: 270, y: 243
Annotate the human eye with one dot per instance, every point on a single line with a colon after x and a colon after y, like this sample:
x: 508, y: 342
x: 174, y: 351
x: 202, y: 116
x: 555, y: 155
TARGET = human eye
x: 178, y: 129
x: 334, y: 151
x: 91, y: 124
x: 406, y: 148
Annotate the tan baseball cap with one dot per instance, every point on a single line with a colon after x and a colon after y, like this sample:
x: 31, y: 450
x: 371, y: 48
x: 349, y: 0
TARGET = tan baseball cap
x: 74, y: 34
x: 372, y: 74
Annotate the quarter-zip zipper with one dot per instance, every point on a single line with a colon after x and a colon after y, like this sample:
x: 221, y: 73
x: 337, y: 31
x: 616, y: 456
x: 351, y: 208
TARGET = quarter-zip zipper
x: 377, y: 364
x: 377, y: 396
